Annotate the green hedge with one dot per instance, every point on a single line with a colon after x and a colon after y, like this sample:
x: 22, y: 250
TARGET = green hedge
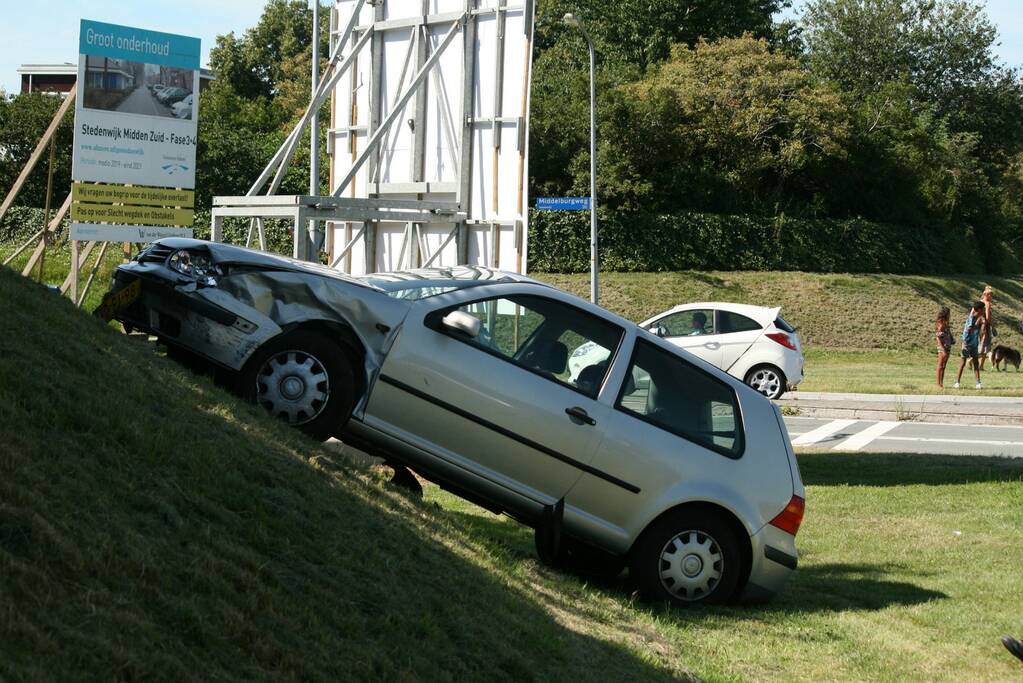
x: 559, y: 243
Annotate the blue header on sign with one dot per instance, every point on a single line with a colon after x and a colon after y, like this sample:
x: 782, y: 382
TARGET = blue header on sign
x: 139, y: 45
x: 563, y: 203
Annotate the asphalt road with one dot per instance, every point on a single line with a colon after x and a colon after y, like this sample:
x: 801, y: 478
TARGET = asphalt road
x: 141, y: 101
x: 868, y: 436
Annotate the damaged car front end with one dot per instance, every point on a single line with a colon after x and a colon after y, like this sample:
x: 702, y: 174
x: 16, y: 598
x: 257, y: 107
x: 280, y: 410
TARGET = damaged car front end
x: 226, y: 304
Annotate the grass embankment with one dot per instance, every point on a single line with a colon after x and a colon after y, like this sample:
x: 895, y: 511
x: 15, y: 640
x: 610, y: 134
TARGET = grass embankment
x: 57, y: 265
x: 152, y: 527
x: 871, y: 333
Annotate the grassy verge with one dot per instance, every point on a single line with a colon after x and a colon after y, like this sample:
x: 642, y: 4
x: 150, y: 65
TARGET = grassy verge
x: 899, y: 372
x: 57, y: 265
x: 836, y: 312
x: 152, y: 527
x: 909, y: 570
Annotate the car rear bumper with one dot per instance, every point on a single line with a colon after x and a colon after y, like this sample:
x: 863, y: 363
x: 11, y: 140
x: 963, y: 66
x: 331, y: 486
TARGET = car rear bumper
x: 774, y: 560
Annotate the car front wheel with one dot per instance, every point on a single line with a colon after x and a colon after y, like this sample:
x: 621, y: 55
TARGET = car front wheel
x: 304, y: 379
x: 768, y: 380
x: 687, y: 558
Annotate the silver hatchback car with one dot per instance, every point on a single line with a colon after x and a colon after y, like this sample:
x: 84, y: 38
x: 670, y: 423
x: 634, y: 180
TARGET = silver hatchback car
x: 650, y: 458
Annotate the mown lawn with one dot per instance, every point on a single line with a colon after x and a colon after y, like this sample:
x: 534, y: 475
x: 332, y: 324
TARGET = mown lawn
x: 909, y: 570
x: 899, y: 372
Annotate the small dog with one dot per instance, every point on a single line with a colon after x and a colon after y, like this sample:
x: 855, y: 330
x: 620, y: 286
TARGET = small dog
x: 1004, y: 355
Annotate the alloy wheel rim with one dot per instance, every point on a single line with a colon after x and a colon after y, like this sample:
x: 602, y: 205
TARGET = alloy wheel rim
x: 294, y: 386
x: 690, y: 565
x: 766, y: 382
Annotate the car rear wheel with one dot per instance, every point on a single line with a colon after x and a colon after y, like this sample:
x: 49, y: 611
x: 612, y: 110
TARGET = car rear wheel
x: 768, y: 380
x: 687, y: 558
x: 304, y: 379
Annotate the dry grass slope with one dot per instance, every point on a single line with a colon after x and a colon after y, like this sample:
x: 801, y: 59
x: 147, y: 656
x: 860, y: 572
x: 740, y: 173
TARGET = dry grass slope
x: 835, y: 312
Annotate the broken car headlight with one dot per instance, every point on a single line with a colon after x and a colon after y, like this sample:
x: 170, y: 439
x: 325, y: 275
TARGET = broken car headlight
x: 195, y: 264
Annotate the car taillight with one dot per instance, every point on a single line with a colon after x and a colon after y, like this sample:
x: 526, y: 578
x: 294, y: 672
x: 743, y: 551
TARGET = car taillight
x: 782, y: 339
x: 791, y: 517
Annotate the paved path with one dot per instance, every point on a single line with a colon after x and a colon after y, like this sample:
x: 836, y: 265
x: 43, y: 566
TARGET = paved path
x: 887, y: 436
x: 141, y: 101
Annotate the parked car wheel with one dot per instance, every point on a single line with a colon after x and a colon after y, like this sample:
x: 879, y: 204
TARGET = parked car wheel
x: 303, y: 379
x: 578, y: 557
x: 687, y: 558
x: 768, y: 380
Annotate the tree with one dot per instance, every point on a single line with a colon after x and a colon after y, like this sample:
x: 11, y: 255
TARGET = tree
x: 23, y: 120
x: 943, y: 48
x: 629, y: 37
x: 724, y: 126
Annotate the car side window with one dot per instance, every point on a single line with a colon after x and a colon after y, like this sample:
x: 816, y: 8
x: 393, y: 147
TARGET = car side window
x: 546, y: 337
x: 666, y: 391
x: 729, y: 322
x: 692, y: 323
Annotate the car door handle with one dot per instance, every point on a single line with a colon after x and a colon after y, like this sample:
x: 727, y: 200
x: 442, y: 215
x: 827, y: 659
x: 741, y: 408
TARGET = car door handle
x: 580, y: 414
x: 713, y: 346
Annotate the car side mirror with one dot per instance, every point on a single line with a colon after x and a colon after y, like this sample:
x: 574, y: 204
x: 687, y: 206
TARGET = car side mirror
x: 460, y: 321
x: 659, y: 330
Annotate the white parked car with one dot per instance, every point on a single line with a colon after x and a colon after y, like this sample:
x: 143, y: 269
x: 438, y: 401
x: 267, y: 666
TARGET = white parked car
x: 183, y: 109
x: 751, y: 343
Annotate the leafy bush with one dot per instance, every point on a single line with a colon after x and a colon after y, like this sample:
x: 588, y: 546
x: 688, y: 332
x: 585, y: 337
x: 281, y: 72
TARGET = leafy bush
x: 559, y: 242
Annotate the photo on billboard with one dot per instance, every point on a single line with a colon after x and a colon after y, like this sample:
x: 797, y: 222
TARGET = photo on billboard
x: 129, y: 87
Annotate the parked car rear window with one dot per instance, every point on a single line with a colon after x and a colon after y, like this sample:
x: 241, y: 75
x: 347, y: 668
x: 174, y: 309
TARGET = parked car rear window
x: 730, y: 322
x: 540, y: 335
x: 666, y: 391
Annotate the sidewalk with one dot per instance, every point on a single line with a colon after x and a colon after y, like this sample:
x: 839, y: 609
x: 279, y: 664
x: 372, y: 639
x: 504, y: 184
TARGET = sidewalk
x: 966, y: 408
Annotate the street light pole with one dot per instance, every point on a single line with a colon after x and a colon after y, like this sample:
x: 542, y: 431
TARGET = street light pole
x: 572, y: 20
x: 313, y: 234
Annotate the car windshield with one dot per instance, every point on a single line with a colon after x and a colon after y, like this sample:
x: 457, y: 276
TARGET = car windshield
x: 415, y: 285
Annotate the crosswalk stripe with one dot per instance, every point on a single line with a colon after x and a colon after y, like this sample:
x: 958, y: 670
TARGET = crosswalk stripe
x: 822, y: 432
x: 861, y: 439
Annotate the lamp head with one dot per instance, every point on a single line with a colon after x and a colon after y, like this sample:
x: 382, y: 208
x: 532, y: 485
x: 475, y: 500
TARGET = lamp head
x: 571, y: 20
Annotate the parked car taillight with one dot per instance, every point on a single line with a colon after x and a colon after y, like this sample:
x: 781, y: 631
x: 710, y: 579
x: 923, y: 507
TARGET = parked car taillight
x: 791, y: 517
x: 783, y: 339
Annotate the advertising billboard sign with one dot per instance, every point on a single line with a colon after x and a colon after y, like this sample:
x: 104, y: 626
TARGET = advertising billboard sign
x: 136, y: 123
x: 135, y: 118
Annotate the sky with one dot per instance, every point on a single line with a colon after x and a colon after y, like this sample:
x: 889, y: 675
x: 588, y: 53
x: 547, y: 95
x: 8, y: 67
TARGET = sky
x: 47, y: 32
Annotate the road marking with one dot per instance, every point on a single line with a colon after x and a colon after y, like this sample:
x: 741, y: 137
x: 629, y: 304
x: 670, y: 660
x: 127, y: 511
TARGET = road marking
x: 822, y: 433
x: 976, y: 442
x: 858, y: 441
x: 959, y: 425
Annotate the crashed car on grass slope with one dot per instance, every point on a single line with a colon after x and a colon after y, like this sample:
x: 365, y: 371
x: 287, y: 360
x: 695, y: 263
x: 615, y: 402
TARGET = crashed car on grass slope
x: 650, y: 457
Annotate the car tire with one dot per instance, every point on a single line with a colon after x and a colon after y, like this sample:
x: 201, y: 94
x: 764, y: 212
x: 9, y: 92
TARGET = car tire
x: 768, y: 380
x: 687, y: 558
x: 303, y: 378
x: 577, y: 557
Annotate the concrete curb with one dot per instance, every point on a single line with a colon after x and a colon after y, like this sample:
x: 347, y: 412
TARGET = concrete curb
x: 953, y: 409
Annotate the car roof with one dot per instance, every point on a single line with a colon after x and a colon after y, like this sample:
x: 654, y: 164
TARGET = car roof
x: 761, y: 314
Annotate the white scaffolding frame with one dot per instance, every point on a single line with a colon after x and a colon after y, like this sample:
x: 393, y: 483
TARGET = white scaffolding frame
x: 312, y: 216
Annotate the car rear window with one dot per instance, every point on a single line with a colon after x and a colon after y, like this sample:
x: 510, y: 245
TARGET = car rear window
x: 664, y: 390
x: 734, y: 322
